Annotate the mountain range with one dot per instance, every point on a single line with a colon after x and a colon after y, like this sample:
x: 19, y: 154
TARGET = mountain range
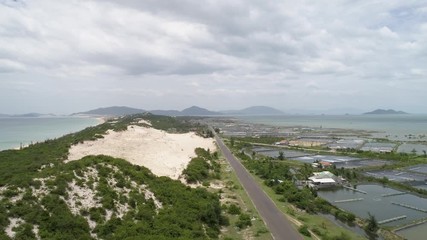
x: 254, y: 110
x: 195, y: 111
x: 112, y: 111
x: 191, y: 111
x: 389, y: 111
x: 28, y: 115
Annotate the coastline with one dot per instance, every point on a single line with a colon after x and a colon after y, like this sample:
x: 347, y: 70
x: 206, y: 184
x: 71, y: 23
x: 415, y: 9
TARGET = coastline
x: 20, y: 132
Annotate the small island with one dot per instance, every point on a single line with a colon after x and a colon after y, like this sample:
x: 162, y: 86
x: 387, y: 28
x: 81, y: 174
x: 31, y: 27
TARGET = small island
x: 389, y: 111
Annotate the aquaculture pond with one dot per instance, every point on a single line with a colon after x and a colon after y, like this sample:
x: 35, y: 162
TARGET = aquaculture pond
x: 414, y: 233
x: 410, y: 147
x: 275, y: 152
x: 389, y: 206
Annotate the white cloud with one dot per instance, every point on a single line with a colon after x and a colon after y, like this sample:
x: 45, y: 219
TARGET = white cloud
x: 322, y: 66
x: 386, y: 32
x: 240, y: 50
x: 7, y: 65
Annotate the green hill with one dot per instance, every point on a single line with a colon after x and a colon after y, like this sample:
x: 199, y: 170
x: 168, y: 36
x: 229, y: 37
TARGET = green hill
x: 100, y: 197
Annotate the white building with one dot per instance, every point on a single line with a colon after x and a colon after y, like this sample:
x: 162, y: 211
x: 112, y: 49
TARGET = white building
x: 324, y: 179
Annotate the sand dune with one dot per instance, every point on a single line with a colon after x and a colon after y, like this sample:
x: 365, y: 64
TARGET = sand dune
x: 163, y: 153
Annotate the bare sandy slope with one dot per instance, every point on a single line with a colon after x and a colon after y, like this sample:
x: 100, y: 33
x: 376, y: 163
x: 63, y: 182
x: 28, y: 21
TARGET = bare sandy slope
x: 163, y: 153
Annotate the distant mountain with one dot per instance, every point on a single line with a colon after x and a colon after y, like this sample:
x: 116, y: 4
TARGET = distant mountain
x: 191, y: 111
x: 28, y: 115
x: 120, y: 111
x: 33, y: 115
x: 112, y: 111
x: 255, y: 110
x: 327, y: 111
x: 389, y: 111
x: 198, y: 111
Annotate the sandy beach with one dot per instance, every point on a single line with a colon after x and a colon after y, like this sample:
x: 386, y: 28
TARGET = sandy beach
x: 165, y: 154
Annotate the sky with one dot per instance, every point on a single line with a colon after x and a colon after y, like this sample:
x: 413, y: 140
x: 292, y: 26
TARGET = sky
x: 324, y: 55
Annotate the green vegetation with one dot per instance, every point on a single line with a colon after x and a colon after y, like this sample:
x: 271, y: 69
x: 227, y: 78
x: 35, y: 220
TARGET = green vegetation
x: 260, y: 139
x: 278, y: 178
x: 202, y: 167
x: 304, y: 230
x: 319, y: 225
x: 372, y: 224
x: 126, y: 201
x: 281, y: 155
x: 233, y: 209
x: 235, y: 201
x: 280, y: 185
x: 244, y: 221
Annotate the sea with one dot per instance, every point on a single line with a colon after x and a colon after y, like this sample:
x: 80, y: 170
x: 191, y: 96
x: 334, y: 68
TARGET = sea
x: 17, y: 132
x: 394, y: 127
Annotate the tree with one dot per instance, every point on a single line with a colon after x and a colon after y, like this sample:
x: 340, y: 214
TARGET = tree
x: 233, y: 209
x: 244, y: 221
x: 303, y: 229
x: 209, y: 134
x: 372, y: 224
x: 281, y: 155
x: 384, y: 180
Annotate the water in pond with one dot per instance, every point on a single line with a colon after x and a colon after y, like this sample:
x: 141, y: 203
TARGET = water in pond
x: 410, y: 147
x: 414, y: 233
x: 375, y: 203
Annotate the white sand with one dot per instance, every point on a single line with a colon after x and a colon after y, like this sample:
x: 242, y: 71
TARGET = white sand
x: 14, y: 222
x: 163, y: 153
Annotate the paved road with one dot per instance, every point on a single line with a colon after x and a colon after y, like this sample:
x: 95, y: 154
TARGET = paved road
x: 276, y: 222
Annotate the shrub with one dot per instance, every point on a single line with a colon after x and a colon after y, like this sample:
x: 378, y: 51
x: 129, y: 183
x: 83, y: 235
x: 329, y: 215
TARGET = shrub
x: 233, y: 209
x: 304, y: 230
x: 244, y: 221
x: 224, y: 221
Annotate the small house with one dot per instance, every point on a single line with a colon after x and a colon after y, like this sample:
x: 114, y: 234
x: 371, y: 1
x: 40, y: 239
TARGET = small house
x: 323, y: 179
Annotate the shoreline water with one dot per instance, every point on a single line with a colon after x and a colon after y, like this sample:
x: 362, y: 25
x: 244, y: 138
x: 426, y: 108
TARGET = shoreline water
x: 394, y: 127
x: 18, y: 132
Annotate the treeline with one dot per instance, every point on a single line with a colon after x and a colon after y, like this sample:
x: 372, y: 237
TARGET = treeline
x: 395, y: 156
x: 269, y: 170
x: 260, y: 139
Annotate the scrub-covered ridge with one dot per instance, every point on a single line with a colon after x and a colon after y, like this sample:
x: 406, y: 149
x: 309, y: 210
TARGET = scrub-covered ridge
x: 100, y: 197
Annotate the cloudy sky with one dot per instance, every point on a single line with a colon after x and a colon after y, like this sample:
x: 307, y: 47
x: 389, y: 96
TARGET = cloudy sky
x: 75, y: 55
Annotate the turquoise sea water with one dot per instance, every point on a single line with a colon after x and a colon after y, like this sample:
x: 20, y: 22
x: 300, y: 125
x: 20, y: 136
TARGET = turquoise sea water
x: 17, y: 131
x: 396, y: 126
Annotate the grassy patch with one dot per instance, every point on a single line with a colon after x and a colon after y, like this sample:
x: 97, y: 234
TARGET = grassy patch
x: 233, y: 193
